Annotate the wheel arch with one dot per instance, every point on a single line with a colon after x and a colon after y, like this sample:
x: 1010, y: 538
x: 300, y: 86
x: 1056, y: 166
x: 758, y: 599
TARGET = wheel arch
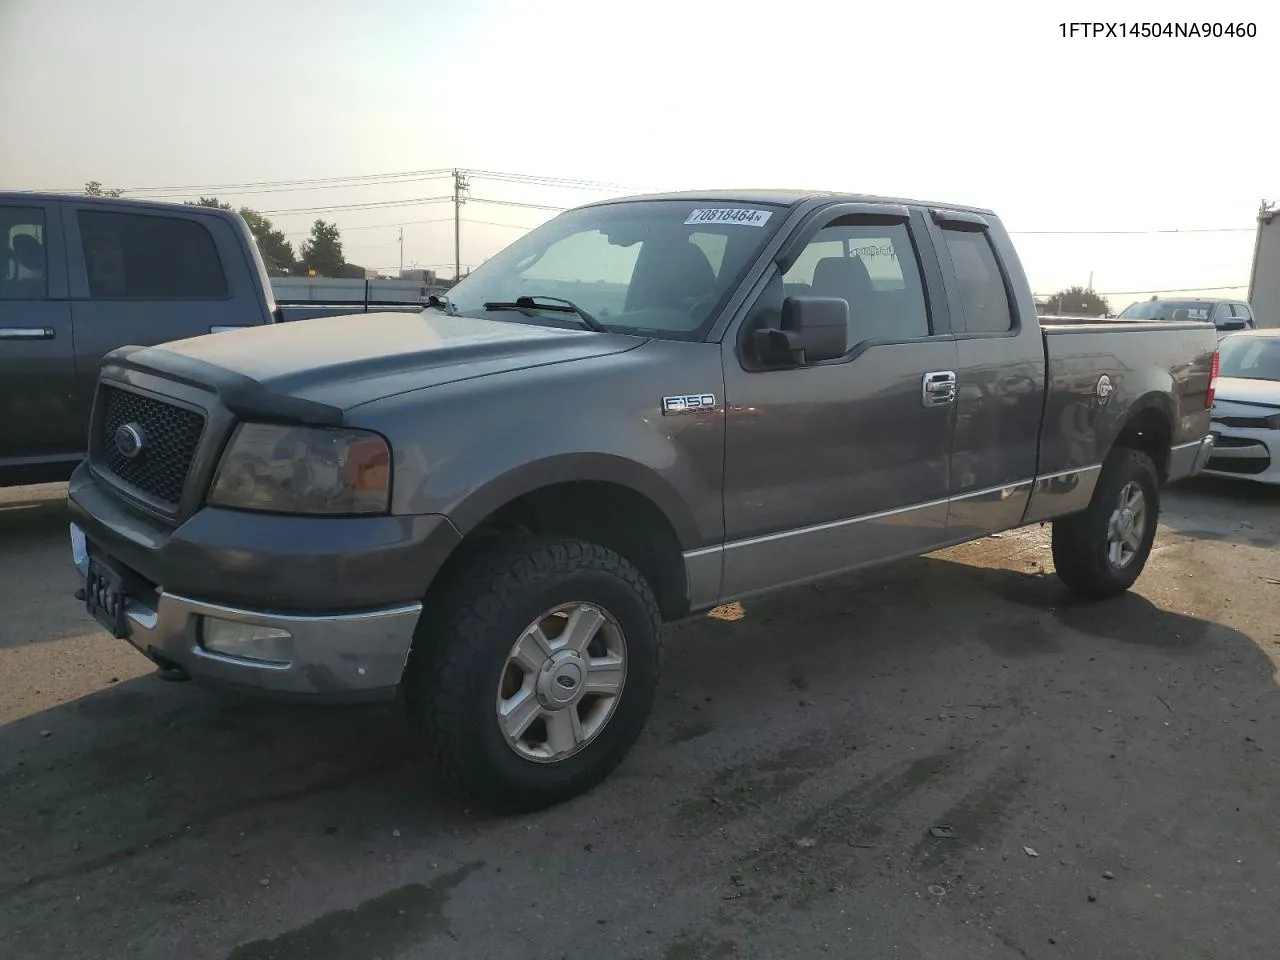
x: 600, y: 498
x: 1148, y: 427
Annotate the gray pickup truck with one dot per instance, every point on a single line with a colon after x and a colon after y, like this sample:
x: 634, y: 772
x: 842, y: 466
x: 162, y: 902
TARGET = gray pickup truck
x: 636, y: 412
x: 82, y: 275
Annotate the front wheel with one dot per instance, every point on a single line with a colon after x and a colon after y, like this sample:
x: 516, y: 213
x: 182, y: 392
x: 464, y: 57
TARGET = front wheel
x: 1101, y: 551
x: 534, y: 671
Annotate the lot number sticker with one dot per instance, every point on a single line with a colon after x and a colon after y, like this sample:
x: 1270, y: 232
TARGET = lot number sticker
x: 741, y: 215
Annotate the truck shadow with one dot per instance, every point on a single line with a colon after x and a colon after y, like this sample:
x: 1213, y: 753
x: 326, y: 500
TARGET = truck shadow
x: 145, y: 776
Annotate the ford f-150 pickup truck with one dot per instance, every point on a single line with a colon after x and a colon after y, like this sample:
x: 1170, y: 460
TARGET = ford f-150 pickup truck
x: 82, y: 275
x: 638, y: 411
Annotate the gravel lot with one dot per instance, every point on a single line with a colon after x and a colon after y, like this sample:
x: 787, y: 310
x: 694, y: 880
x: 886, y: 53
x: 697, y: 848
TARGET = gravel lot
x: 1104, y: 778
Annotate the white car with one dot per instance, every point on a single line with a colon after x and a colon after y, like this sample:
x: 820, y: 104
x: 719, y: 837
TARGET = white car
x: 1246, y: 408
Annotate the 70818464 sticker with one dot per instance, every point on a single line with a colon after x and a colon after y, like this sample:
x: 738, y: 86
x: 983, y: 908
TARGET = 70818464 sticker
x: 744, y: 216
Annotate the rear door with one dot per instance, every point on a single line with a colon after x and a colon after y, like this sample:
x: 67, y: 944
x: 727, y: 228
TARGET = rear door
x: 1000, y: 371
x: 40, y: 416
x: 143, y: 277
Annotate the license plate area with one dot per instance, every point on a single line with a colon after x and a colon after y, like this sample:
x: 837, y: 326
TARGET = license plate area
x: 104, y: 597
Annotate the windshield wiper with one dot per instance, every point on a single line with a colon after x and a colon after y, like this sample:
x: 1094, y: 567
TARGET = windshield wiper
x: 558, y: 305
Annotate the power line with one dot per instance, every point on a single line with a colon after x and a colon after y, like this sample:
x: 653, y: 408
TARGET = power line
x: 335, y: 181
x: 1087, y: 233
x: 372, y: 205
x: 565, y: 182
x: 1134, y: 293
x: 491, y: 223
x: 326, y: 186
x: 513, y: 203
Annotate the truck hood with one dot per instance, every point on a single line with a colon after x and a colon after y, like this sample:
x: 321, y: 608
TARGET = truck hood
x: 1239, y: 390
x: 348, y: 360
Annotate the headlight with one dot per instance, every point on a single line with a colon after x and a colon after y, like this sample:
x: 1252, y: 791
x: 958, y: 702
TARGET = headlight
x: 303, y: 470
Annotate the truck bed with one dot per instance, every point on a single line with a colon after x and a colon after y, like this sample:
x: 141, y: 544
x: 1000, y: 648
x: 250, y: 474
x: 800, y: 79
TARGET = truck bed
x: 1146, y: 363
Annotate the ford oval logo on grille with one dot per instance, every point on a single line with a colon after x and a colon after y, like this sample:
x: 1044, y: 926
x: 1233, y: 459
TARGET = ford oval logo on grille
x: 129, y: 440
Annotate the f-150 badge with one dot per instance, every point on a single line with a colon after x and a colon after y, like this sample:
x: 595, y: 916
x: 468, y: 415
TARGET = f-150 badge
x: 689, y: 403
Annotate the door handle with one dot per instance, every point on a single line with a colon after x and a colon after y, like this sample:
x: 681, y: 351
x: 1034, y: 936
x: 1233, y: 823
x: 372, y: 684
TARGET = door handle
x: 938, y: 388
x: 27, y: 333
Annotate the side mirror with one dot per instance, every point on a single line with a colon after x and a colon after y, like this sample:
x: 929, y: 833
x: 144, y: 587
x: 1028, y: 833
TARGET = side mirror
x: 813, y: 329
x: 1231, y: 323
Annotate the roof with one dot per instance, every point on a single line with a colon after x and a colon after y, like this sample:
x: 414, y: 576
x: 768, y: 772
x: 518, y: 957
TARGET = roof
x: 784, y: 198
x: 17, y: 196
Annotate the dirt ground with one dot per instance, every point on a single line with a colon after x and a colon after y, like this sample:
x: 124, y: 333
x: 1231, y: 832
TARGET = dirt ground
x: 946, y: 758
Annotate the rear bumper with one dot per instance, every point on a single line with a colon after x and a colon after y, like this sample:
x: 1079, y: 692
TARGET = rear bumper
x: 1188, y: 459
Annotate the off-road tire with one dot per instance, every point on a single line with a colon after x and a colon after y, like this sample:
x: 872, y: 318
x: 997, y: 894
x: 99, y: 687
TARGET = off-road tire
x: 469, y: 623
x: 1080, y: 540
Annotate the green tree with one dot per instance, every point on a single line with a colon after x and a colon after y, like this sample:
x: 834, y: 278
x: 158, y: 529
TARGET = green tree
x: 322, y: 251
x: 1080, y: 302
x: 209, y: 202
x: 277, y: 252
x: 94, y: 188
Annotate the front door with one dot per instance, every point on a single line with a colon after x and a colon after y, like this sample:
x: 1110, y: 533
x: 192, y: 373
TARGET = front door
x: 844, y: 462
x: 40, y: 435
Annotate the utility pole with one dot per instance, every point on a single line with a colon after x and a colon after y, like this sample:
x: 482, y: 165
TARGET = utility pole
x: 402, y: 250
x: 460, y: 185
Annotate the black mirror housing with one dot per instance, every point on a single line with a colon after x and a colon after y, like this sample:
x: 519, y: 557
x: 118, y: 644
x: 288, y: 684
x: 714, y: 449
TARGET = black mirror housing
x: 812, y: 329
x: 1231, y: 323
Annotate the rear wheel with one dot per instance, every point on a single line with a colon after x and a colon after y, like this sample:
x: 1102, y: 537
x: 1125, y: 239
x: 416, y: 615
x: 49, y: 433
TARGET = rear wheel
x: 534, y: 672
x: 1101, y: 551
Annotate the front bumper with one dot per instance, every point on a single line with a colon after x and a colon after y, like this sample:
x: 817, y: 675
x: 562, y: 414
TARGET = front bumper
x: 1246, y: 453
x: 330, y: 657
x: 346, y: 591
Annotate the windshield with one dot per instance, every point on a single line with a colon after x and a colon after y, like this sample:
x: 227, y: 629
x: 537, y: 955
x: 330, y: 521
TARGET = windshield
x: 658, y: 267
x: 1250, y: 358
x: 1167, y: 310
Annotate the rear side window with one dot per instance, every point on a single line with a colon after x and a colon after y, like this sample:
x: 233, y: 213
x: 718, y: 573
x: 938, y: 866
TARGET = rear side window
x: 141, y: 257
x: 982, y: 292
x: 23, y: 272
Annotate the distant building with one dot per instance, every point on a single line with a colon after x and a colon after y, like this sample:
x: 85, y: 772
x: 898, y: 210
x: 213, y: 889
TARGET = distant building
x: 1264, y: 283
x: 419, y: 274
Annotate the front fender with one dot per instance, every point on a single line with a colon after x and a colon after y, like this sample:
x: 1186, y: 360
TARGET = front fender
x: 465, y: 449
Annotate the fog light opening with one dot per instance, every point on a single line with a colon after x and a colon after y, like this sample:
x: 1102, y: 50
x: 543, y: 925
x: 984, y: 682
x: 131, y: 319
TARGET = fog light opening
x: 253, y: 642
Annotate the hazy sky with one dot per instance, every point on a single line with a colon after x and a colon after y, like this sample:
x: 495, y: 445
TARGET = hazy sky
x: 975, y: 102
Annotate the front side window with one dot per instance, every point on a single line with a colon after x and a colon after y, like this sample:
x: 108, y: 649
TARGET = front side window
x: 873, y: 268
x: 143, y: 257
x: 658, y: 267
x: 24, y: 272
x: 982, y: 290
